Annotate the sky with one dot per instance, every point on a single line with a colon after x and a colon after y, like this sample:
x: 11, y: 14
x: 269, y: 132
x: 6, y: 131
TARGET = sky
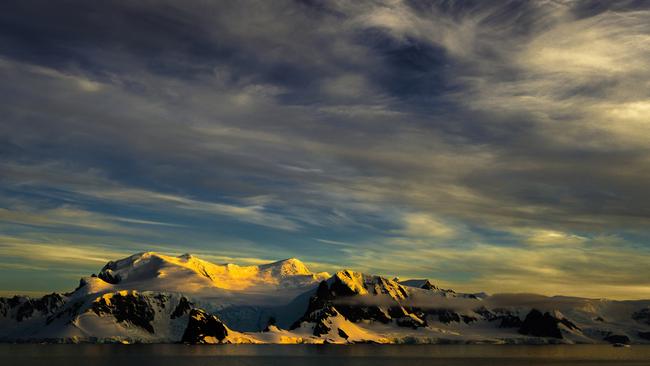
x: 498, y: 146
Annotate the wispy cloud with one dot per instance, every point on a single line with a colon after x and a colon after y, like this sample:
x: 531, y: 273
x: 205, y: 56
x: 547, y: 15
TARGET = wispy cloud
x: 89, y: 184
x: 464, y: 132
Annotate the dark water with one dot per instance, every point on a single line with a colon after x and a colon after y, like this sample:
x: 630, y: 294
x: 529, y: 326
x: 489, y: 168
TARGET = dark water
x: 368, y: 355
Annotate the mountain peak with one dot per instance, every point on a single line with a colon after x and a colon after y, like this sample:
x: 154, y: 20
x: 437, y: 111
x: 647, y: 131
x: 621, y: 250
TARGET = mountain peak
x: 351, y: 282
x: 420, y: 283
x: 287, y: 267
x: 187, y: 273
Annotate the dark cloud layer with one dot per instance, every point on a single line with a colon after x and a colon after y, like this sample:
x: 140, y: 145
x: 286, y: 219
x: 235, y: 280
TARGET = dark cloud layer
x: 421, y: 138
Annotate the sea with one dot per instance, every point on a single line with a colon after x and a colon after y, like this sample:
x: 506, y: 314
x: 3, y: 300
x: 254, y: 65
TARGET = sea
x: 320, y: 355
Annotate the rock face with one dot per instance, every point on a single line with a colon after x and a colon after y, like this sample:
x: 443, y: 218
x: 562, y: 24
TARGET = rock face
x: 358, y: 297
x: 426, y: 284
x: 183, y: 307
x: 204, y: 328
x: 21, y: 308
x: 544, y: 325
x: 108, y: 275
x: 349, y: 283
x: 125, y: 306
x: 361, y: 298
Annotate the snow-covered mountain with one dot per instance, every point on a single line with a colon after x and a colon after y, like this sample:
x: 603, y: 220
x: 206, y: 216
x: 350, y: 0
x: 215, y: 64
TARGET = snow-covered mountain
x: 188, y: 274
x: 150, y: 297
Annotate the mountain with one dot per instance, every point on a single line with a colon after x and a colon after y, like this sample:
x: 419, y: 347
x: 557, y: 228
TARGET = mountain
x: 153, y: 271
x: 155, y: 298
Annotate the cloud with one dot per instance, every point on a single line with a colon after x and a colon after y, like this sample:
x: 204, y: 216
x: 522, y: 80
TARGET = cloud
x: 94, y: 185
x: 550, y: 237
x: 72, y: 217
x: 60, y: 253
x: 425, y: 225
x: 591, y: 270
x: 465, y: 131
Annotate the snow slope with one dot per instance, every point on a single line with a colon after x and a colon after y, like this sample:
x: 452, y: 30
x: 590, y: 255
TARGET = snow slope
x: 156, y: 298
x: 189, y: 274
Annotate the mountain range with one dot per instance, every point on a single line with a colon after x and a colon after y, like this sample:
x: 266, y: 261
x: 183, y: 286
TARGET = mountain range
x: 155, y: 298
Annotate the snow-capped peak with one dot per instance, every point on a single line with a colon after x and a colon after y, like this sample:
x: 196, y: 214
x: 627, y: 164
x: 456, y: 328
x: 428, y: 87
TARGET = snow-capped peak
x: 348, y: 282
x: 287, y: 267
x: 187, y: 273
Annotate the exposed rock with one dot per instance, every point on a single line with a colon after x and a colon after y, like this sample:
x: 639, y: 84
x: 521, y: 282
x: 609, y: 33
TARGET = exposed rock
x: 644, y: 335
x: 161, y: 300
x: 4, y: 307
x: 203, y: 326
x: 397, y: 312
x: 70, y: 311
x: 344, y: 295
x: 427, y: 285
x: 15, y: 301
x: 411, y: 320
x: 544, y: 325
x: 25, y: 310
x: 468, y: 319
x: 183, y: 307
x: 349, y: 283
x: 26, y: 307
x: 447, y: 316
x: 129, y: 307
x: 319, y: 317
x: 509, y: 321
x: 356, y: 313
x: 108, y: 275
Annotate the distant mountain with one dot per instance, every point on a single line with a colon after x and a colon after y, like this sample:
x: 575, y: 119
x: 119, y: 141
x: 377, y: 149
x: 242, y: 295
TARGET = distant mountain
x: 154, y: 298
x: 186, y: 273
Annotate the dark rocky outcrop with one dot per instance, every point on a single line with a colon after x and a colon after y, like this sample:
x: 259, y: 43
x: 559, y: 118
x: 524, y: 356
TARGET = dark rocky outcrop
x: 644, y: 335
x: 24, y: 307
x: 506, y: 318
x: 374, y: 285
x: 356, y: 314
x: 509, y: 321
x: 183, y: 307
x: 69, y: 311
x: 108, y: 275
x: 544, y: 325
x: 4, y: 307
x: 202, y: 325
x: 354, y: 304
x: 447, y: 316
x: 427, y: 285
x: 129, y: 307
x: 411, y: 321
x: 319, y: 318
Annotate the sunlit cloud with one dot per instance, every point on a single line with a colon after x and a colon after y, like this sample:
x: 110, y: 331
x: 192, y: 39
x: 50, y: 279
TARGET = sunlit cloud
x: 424, y: 225
x: 498, y: 146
